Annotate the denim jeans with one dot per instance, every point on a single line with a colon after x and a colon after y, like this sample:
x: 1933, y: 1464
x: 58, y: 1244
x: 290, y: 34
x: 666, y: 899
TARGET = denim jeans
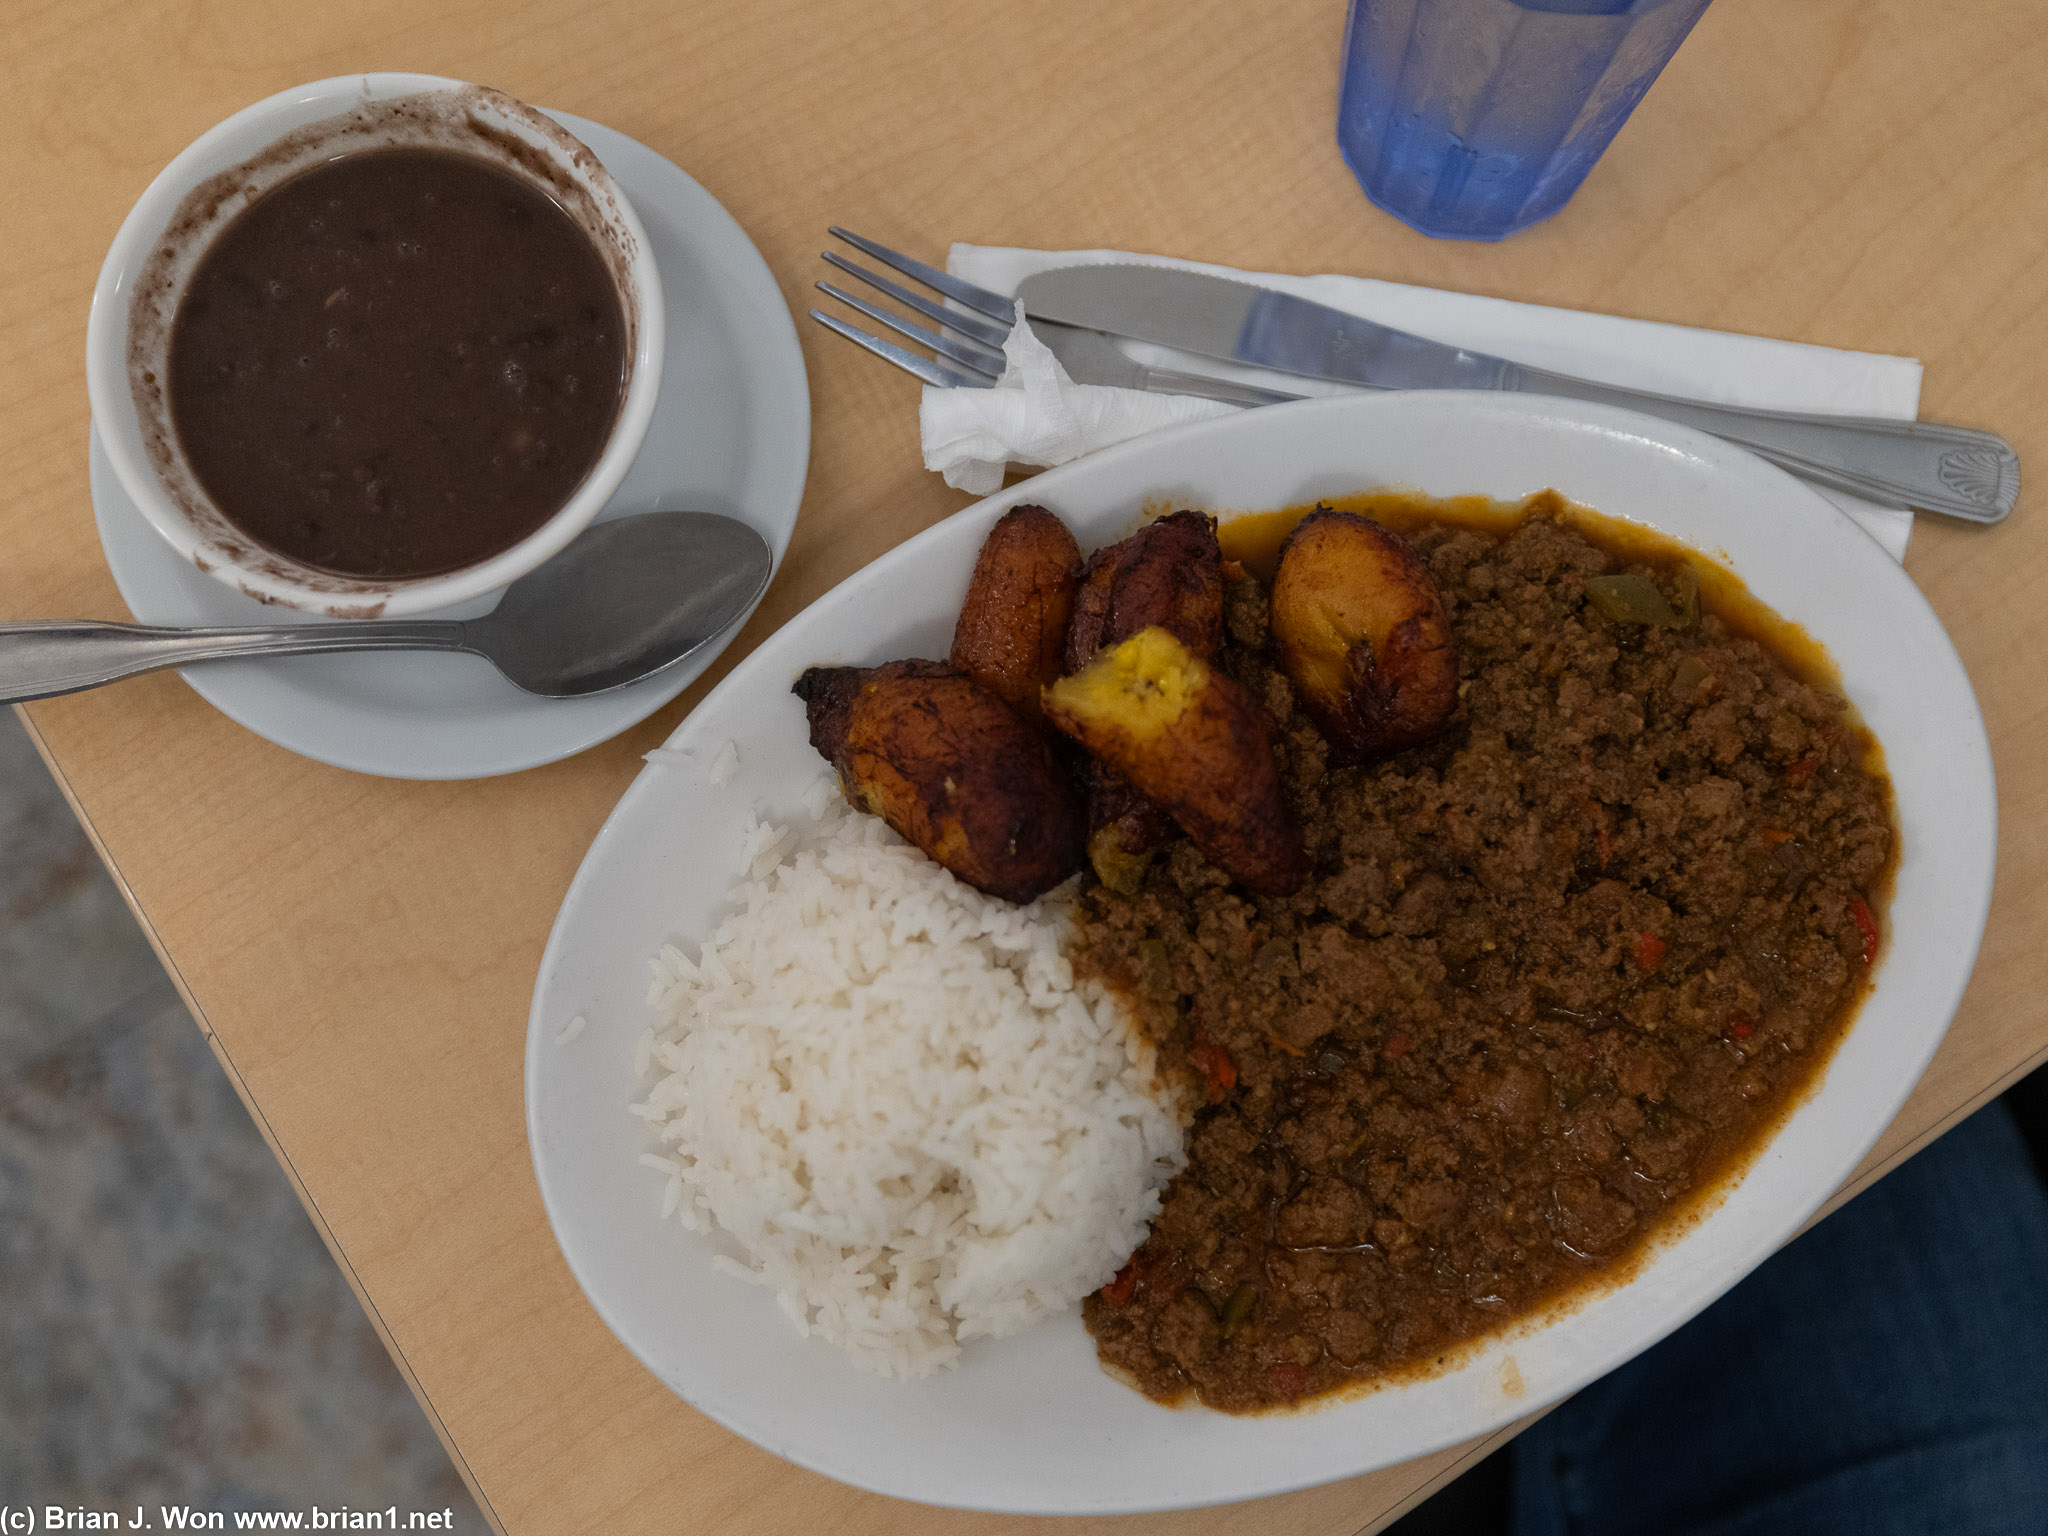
x: 1886, y: 1373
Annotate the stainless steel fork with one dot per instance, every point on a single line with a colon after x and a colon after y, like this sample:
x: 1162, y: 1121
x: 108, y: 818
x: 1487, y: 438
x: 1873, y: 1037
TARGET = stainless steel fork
x: 968, y: 344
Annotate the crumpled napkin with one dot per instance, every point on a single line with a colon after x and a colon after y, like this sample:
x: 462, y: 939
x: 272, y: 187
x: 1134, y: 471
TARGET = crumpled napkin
x: 1037, y: 416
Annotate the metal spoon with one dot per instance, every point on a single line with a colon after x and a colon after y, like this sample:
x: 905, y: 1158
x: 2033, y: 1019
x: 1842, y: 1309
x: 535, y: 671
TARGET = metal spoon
x: 623, y: 601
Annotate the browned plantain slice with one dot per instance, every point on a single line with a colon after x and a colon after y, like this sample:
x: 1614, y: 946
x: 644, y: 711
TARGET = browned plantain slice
x: 1169, y: 573
x: 951, y: 767
x: 1361, y: 631
x: 1196, y: 743
x: 1012, y: 632
x: 1124, y: 829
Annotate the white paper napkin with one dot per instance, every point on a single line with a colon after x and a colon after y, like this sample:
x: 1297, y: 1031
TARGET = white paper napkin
x: 1037, y: 416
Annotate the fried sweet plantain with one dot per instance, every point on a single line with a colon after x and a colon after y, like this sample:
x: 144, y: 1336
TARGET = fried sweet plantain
x: 1169, y: 573
x: 1012, y: 633
x: 1194, y: 742
x: 1124, y: 829
x: 1361, y: 632
x: 953, y: 768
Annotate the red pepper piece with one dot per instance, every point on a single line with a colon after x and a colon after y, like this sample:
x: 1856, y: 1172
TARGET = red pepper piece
x: 1218, y: 1071
x: 1118, y: 1292
x: 1741, y: 1028
x: 1802, y: 770
x: 1866, y: 925
x: 1649, y: 952
x: 1398, y: 1046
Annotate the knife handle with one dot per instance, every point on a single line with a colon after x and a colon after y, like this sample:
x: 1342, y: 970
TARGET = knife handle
x: 1925, y: 465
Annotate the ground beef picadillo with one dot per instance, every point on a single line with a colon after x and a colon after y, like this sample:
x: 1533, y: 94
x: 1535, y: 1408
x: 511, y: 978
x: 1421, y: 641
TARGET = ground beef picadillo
x: 1556, y: 973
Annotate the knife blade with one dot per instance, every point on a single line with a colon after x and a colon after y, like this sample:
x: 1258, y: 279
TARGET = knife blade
x: 1931, y: 467
x: 1241, y: 323
x: 1090, y: 357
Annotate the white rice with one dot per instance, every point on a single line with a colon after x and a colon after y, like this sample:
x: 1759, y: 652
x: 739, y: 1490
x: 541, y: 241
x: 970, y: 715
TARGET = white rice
x: 890, y: 1091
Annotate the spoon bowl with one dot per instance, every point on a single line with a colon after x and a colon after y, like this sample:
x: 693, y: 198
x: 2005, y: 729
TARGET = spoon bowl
x: 625, y: 600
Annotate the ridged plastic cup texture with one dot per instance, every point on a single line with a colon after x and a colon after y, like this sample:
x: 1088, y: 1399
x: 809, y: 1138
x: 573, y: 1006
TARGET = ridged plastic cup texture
x: 1472, y: 119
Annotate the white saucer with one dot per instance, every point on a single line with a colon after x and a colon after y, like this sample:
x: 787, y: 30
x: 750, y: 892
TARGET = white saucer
x: 731, y: 434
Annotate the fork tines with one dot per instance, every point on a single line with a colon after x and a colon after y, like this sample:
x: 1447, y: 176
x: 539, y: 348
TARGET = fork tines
x: 971, y: 357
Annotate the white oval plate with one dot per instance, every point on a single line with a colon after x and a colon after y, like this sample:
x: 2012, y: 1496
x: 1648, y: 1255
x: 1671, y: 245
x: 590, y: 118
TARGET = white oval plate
x: 731, y: 433
x: 1030, y: 1424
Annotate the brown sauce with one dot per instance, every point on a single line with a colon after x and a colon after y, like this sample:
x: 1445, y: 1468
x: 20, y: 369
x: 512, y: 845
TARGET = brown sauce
x: 1558, y: 973
x: 396, y: 364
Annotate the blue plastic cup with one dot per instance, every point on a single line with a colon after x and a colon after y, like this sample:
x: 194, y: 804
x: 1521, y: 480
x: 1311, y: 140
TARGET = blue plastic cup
x: 1472, y: 119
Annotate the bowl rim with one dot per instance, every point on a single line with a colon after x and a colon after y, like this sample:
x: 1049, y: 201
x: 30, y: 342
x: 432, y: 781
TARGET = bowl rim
x: 234, y: 140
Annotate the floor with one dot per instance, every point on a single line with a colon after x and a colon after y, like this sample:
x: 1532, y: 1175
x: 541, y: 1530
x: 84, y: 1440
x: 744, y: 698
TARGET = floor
x: 172, y: 1332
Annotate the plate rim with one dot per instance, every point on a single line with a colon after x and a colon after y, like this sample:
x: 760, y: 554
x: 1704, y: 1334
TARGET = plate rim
x: 1684, y: 444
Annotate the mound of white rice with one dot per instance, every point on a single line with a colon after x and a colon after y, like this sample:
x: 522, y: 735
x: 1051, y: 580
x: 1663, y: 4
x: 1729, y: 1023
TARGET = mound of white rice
x: 889, y: 1090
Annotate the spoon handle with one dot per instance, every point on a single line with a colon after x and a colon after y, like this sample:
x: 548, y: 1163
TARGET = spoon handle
x: 43, y: 658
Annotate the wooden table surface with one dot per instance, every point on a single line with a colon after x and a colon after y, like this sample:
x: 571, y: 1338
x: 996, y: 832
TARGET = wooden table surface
x: 1858, y: 173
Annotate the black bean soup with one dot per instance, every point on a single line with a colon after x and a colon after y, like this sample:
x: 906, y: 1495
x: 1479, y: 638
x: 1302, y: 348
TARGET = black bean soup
x: 397, y: 364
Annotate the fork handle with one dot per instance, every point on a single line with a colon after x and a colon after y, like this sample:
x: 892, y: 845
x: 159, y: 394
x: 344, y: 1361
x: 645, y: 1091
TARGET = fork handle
x: 44, y: 658
x: 1925, y: 465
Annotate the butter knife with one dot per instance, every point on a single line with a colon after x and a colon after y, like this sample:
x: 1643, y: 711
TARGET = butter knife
x: 1092, y: 358
x: 1958, y: 471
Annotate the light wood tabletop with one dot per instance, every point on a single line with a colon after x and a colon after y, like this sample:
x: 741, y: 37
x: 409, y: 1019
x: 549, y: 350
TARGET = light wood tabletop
x: 361, y: 951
